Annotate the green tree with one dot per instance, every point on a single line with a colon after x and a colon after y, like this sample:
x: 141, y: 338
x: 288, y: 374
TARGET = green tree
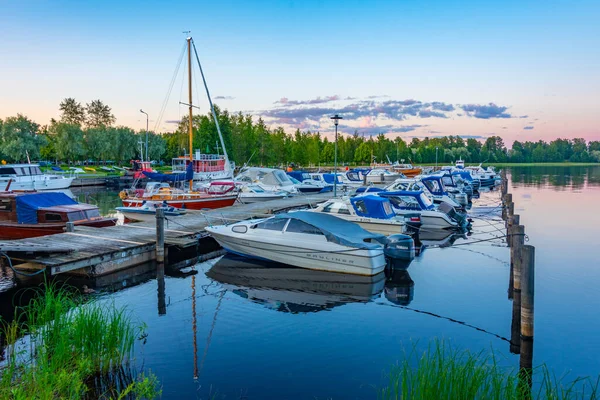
x: 19, y: 137
x: 69, y: 143
x: 72, y: 112
x: 98, y: 114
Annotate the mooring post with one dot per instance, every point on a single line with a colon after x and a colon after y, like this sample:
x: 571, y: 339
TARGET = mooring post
x: 512, y: 221
x: 160, y: 236
x: 516, y: 266
x: 504, y: 186
x: 506, y: 200
x: 70, y: 227
x: 364, y: 179
x: 527, y: 295
x: 527, y: 292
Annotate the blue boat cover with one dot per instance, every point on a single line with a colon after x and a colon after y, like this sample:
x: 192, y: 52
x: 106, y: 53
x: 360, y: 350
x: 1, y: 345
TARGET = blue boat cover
x: 188, y: 176
x: 55, y: 168
x: 373, y: 206
x: 405, y: 193
x: 337, y: 230
x: 328, y: 178
x: 28, y: 204
x: 298, y: 175
x: 466, y: 175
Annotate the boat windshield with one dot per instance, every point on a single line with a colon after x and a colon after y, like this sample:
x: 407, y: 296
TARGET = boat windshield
x: 336, y: 207
x: 294, y: 180
x: 282, y: 177
x: 405, y: 202
x: 256, y: 189
x: 426, y: 200
x: 272, y: 224
x: 298, y: 226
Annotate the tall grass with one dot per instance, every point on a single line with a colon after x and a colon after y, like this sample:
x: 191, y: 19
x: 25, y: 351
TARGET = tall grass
x: 64, y: 344
x: 443, y: 372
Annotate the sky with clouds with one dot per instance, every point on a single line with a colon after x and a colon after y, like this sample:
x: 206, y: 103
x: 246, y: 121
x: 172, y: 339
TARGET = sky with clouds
x: 523, y: 70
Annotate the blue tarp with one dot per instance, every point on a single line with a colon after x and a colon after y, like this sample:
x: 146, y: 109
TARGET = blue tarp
x: 329, y: 178
x: 373, y: 207
x: 28, y: 204
x: 188, y: 176
x: 466, y: 175
x: 337, y: 230
x: 58, y: 169
x: 299, y: 175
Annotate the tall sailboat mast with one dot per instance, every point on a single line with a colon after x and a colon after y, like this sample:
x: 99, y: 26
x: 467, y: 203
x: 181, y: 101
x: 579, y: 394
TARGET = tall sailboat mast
x: 190, y: 130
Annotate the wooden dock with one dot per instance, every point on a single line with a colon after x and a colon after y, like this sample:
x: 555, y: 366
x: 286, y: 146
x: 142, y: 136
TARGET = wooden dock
x: 99, y: 251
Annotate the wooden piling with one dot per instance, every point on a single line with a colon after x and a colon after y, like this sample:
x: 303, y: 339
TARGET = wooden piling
x: 512, y: 221
x: 527, y: 291
x: 517, y: 240
x: 70, y: 227
x: 506, y: 200
x: 160, y: 236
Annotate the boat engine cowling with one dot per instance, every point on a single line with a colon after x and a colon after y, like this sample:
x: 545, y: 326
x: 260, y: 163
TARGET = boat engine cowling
x: 399, y: 247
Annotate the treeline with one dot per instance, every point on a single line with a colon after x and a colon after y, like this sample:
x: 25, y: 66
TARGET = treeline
x: 86, y: 133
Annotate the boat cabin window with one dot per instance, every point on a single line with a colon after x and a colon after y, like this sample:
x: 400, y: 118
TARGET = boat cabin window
x: 51, y: 217
x: 336, y: 208
x: 447, y: 180
x: 433, y: 186
x: 426, y: 200
x: 298, y: 226
x: 76, y: 216
x: 405, y: 202
x: 5, y: 205
x: 361, y: 206
x: 92, y: 213
x: 272, y: 224
x: 256, y: 189
x: 7, y: 171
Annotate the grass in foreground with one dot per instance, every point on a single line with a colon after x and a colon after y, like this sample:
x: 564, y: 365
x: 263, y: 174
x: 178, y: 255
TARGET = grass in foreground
x: 442, y: 372
x: 64, y: 348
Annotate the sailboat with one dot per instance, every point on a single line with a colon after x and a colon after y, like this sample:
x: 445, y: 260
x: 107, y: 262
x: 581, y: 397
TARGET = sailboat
x: 202, y: 167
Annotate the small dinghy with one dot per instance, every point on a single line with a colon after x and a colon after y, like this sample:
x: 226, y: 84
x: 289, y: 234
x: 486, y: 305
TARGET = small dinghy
x: 147, y: 211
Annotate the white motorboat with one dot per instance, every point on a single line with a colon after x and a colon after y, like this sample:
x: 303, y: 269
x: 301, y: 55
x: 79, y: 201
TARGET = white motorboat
x: 371, y: 212
x: 147, y: 211
x: 253, y: 193
x: 306, y: 240
x: 31, y: 177
x: 433, y: 188
x: 380, y: 175
x: 409, y: 203
x: 268, y: 178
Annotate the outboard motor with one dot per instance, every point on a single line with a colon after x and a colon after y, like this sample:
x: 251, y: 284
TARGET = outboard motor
x: 399, y: 249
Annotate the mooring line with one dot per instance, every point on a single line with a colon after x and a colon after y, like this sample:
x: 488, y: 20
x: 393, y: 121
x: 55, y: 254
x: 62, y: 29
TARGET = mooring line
x: 446, y: 318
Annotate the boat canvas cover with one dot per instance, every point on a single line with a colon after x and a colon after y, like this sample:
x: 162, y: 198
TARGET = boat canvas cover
x: 28, y: 205
x: 372, y: 206
x: 416, y: 195
x: 177, y: 177
x: 337, y: 230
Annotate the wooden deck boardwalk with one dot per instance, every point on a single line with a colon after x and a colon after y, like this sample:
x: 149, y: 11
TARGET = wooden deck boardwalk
x: 104, y: 250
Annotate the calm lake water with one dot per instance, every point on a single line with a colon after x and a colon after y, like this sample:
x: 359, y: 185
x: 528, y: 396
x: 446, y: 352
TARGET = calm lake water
x: 238, y: 329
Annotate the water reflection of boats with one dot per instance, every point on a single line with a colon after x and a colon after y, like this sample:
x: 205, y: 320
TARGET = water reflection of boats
x: 399, y: 287
x: 295, y: 290
x: 436, y: 237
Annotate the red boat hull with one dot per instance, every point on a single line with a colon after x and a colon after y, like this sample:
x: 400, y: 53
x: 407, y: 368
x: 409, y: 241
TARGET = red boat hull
x: 10, y: 230
x: 190, y: 204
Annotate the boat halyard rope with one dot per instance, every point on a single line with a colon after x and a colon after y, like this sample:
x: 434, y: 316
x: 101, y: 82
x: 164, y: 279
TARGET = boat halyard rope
x: 170, y: 89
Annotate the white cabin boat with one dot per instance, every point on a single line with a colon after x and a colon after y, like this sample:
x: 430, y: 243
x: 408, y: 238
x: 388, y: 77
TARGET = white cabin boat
x: 147, y: 211
x: 380, y: 175
x: 306, y: 240
x: 31, y: 177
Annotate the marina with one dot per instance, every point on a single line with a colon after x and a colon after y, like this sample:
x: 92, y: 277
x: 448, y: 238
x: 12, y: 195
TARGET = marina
x: 459, y: 290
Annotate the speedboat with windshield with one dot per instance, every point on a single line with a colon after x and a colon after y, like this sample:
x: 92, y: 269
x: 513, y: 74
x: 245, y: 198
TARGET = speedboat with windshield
x: 381, y: 175
x: 306, y: 240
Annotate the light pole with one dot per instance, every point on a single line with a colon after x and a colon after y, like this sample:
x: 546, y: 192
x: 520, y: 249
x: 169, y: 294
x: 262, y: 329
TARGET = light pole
x: 336, y: 118
x: 147, y: 157
x: 436, y: 157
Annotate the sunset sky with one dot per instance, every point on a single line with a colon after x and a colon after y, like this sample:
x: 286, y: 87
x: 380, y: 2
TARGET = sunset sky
x: 523, y: 70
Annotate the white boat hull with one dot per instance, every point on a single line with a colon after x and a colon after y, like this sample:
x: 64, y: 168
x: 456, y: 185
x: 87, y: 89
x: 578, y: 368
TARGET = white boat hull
x: 287, y: 249
x: 37, y: 182
x: 247, y: 198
